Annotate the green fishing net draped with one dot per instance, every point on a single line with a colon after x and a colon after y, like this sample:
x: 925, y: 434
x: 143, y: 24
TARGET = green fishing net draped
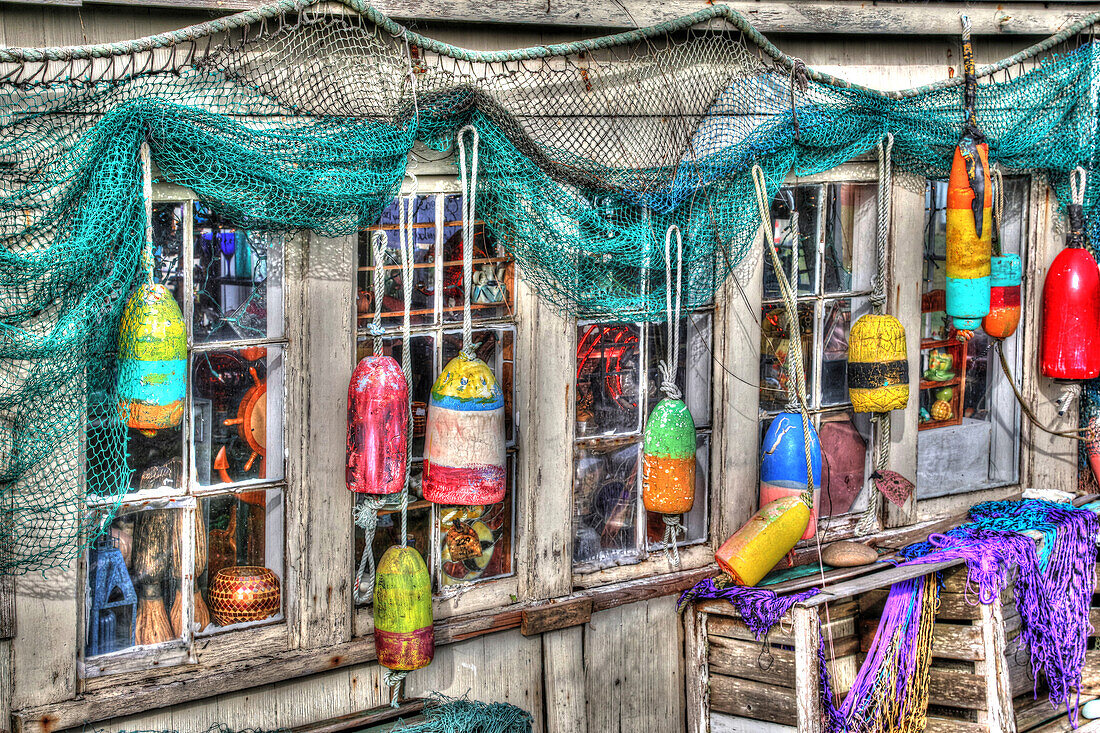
x: 287, y: 118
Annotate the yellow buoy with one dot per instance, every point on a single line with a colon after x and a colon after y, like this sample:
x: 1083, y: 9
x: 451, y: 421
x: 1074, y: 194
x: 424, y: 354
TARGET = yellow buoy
x: 752, y: 551
x: 878, y: 368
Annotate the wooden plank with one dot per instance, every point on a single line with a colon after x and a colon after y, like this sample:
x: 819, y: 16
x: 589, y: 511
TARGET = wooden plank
x: 358, y: 720
x: 320, y: 327
x: 882, y: 579
x: 793, y: 16
x: 956, y: 689
x: 696, y: 671
x: 937, y: 724
x: 998, y: 693
x: 949, y: 641
x: 751, y: 699
x: 555, y: 615
x: 842, y: 623
x: 544, y: 374
x: 722, y: 723
x: 633, y: 661
x: 563, y: 680
x: 807, y: 680
x: 774, y: 665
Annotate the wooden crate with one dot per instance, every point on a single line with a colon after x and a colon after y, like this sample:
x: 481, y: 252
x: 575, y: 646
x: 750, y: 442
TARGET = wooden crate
x: 979, y: 680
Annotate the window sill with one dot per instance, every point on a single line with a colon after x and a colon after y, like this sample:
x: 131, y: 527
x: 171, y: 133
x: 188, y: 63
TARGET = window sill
x: 655, y: 566
x: 218, y: 671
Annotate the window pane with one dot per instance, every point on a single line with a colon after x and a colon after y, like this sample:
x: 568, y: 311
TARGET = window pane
x: 493, y: 274
x: 836, y: 325
x: 422, y: 308
x: 797, y: 248
x: 693, y: 367
x: 695, y: 521
x: 850, y: 237
x: 608, y: 376
x: 388, y: 531
x: 475, y: 542
x: 845, y: 441
x: 237, y: 408
x: 774, y: 352
x: 168, y: 247
x: 605, y: 504
x: 240, y: 540
x: 131, y: 582
x: 422, y: 351
x: 496, y: 347
x: 238, y: 281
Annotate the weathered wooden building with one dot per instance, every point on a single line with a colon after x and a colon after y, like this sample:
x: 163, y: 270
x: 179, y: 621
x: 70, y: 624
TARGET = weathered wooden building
x: 570, y: 611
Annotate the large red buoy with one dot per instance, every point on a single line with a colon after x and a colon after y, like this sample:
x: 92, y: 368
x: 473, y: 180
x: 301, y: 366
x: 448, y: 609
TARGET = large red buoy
x: 378, y: 426
x: 1071, y: 308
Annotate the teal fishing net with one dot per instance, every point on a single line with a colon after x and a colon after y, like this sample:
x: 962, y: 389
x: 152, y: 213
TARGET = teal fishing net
x: 288, y: 118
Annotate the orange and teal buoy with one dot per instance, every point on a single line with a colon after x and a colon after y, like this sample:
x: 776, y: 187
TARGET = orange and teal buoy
x: 404, y: 635
x: 152, y: 360
x: 668, y: 463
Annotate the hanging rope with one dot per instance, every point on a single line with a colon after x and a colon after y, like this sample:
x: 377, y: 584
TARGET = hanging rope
x: 998, y: 206
x: 794, y: 350
x: 870, y: 521
x: 469, y: 199
x: 148, y: 264
x: 668, y: 370
x: 366, y: 512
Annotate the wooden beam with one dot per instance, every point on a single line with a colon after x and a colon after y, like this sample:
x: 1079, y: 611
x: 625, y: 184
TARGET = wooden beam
x: 195, y: 682
x: 807, y: 682
x: 794, y: 16
x: 555, y: 615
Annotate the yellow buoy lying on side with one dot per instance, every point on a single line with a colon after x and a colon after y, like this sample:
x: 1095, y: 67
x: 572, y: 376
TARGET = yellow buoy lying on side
x: 752, y: 551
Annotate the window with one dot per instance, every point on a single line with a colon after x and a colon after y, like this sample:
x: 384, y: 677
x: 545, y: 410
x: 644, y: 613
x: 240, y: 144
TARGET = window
x: 969, y: 419
x: 205, y: 497
x: 828, y: 251
x: 617, y: 386
x: 436, y: 316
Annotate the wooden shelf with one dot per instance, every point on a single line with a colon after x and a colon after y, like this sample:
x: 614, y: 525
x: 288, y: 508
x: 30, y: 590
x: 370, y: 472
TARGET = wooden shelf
x: 931, y: 384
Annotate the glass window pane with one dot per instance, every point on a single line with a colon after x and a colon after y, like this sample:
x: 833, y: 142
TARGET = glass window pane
x: 237, y: 414
x: 493, y: 272
x: 774, y: 352
x: 693, y: 365
x: 797, y: 248
x: 695, y: 521
x: 131, y: 582
x: 608, y: 379
x: 850, y: 237
x: 475, y: 542
x: 388, y: 531
x: 605, y: 505
x: 422, y: 309
x: 836, y: 325
x: 239, y: 560
x: 168, y: 228
x: 238, y: 280
x: 422, y: 363
x: 496, y: 347
x: 845, y: 440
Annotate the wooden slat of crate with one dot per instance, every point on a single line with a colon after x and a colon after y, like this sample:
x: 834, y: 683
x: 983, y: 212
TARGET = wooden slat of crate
x: 949, y: 641
x: 841, y: 623
x: 751, y: 699
x: 949, y: 725
x: 738, y: 658
x: 956, y: 688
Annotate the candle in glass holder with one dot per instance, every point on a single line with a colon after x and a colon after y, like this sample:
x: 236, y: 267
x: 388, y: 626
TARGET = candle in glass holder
x: 244, y: 593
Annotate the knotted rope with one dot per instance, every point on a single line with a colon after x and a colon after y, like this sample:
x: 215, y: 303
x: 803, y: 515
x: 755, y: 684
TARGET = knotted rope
x: 869, y: 522
x: 469, y: 200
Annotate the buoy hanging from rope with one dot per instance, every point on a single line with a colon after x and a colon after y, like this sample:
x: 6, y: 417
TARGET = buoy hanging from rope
x: 783, y: 464
x: 465, y: 446
x: 1070, y: 347
x: 878, y: 366
x: 1004, y: 302
x: 378, y: 409
x: 752, y: 551
x: 668, y: 457
x: 404, y: 634
x: 969, y: 214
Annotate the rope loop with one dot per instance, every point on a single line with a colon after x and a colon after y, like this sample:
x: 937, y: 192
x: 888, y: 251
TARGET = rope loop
x: 394, y: 678
x: 1077, y: 179
x: 799, y: 79
x: 668, y: 368
x: 673, y: 530
x: 885, y: 207
x: 469, y: 201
